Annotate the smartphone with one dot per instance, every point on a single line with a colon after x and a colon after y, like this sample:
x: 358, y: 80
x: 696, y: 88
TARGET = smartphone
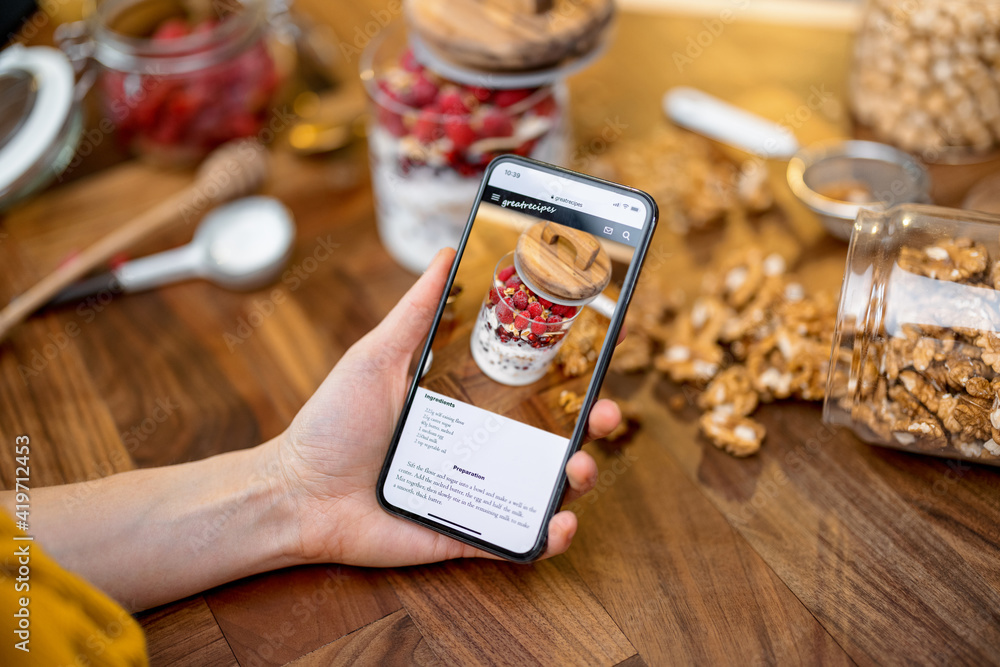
x: 481, y: 446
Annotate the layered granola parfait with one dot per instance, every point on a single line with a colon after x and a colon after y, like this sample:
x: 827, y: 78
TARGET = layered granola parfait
x: 518, y: 331
x: 430, y: 140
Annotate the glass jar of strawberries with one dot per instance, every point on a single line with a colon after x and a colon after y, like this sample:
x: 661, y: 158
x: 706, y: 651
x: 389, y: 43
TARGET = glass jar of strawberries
x: 180, y: 77
x: 430, y: 139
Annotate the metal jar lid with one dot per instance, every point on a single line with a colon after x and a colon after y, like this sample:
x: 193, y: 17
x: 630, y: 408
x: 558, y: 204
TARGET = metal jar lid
x: 39, y: 119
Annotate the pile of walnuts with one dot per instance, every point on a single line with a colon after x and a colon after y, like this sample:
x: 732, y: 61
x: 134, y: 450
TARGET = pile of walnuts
x: 693, y: 182
x: 751, y: 336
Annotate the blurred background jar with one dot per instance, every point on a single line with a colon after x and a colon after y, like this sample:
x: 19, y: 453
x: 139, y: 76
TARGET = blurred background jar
x: 916, y: 348
x: 179, y: 78
x: 431, y: 138
x: 926, y: 76
x: 455, y: 84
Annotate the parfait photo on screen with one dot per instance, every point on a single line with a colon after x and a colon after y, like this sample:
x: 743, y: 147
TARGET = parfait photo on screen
x: 537, y: 292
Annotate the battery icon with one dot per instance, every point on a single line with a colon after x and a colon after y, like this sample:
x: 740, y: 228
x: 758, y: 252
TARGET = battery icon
x: 635, y: 208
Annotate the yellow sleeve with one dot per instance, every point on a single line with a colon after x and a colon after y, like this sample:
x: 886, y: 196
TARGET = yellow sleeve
x: 60, y: 618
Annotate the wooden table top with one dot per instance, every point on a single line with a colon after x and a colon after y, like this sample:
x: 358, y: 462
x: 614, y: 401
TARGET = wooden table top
x: 818, y: 549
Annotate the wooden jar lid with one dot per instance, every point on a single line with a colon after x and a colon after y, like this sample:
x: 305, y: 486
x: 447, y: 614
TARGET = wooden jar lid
x: 510, y: 35
x: 566, y: 264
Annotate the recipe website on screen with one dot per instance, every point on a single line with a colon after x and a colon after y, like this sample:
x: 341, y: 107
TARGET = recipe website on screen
x: 485, y: 437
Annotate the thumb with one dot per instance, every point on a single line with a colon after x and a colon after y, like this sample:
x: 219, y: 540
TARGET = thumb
x: 404, y: 328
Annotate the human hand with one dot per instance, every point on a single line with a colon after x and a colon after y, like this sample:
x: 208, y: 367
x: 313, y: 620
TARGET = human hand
x: 331, y: 455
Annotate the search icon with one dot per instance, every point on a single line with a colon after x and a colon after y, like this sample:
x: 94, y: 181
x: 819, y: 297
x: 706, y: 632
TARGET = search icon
x: 625, y: 235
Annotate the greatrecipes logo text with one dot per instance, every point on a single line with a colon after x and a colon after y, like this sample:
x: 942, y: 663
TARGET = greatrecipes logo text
x: 531, y: 206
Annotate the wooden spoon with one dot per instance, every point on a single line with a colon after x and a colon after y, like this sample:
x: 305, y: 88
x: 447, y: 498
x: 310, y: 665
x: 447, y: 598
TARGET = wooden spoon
x: 233, y: 170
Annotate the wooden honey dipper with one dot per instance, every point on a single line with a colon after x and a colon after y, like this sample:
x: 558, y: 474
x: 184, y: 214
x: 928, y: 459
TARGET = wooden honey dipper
x: 233, y: 170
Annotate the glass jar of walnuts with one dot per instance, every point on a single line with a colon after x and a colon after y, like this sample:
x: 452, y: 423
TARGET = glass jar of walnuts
x: 916, y: 348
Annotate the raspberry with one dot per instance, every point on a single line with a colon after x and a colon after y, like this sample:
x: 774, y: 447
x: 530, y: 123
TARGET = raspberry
x: 459, y: 132
x: 496, y: 123
x: 520, y: 300
x: 535, y: 310
x: 545, y: 302
x: 481, y: 94
x: 390, y: 91
x: 504, y: 312
x: 410, y: 63
x: 421, y: 93
x: 546, y: 106
x: 451, y: 103
x: 538, y: 328
x: 392, y: 122
x: 554, y: 323
x: 426, y: 129
x: 513, y: 281
x: 521, y: 321
x: 564, y: 311
x: 506, y: 98
x: 494, y: 296
x: 171, y: 29
x: 505, y: 273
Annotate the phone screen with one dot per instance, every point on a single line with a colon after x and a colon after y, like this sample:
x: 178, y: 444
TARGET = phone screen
x: 483, y: 443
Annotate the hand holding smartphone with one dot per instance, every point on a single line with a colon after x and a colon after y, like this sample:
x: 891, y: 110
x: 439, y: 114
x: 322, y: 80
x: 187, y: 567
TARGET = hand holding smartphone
x: 478, y: 453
